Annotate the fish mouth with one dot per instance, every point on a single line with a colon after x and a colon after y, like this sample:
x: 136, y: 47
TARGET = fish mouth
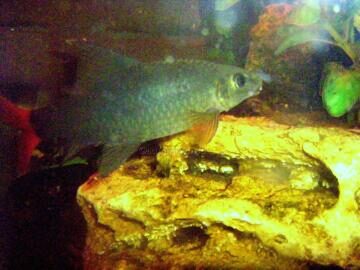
x: 256, y: 91
x: 264, y: 76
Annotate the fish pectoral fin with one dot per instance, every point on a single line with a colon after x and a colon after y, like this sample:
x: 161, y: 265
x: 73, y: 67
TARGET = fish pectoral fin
x: 204, y: 127
x: 114, y: 155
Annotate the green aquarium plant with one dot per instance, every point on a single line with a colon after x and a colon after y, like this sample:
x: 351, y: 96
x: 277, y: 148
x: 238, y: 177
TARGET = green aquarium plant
x: 319, y: 21
x: 341, y: 89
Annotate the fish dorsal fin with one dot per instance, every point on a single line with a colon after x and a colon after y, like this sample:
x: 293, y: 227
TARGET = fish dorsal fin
x: 97, y: 62
x: 114, y: 155
x: 99, y: 56
x: 204, y: 127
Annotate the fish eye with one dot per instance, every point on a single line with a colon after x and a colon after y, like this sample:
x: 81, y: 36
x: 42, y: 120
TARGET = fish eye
x: 239, y: 79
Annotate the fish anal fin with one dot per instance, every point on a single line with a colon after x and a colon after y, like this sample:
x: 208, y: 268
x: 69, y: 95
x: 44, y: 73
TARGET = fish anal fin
x: 205, y: 128
x: 114, y: 155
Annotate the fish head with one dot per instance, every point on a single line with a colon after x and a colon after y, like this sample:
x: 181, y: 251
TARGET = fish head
x: 236, y: 85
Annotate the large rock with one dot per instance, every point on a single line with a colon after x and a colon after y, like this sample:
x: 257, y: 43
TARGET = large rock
x: 259, y: 196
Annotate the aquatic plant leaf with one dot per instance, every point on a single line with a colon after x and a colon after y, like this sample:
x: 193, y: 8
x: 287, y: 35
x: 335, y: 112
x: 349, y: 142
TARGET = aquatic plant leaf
x: 75, y: 161
x: 301, y: 36
x: 306, y: 14
x: 356, y: 21
x: 341, y: 89
x: 221, y: 5
x: 353, y: 8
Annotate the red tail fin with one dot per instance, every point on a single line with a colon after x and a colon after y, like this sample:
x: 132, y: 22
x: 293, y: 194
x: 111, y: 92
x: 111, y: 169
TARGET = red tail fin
x: 14, y: 116
x: 19, y: 118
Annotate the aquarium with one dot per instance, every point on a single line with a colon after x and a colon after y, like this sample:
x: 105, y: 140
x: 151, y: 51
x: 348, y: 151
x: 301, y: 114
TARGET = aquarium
x: 194, y: 134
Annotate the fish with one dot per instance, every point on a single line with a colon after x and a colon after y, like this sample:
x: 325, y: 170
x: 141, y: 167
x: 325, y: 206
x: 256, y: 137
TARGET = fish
x: 120, y: 103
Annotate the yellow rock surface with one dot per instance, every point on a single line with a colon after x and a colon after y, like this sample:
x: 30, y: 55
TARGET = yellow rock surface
x: 259, y: 196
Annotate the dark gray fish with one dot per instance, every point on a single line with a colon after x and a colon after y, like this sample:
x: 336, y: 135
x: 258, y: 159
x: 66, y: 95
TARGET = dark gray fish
x: 128, y: 102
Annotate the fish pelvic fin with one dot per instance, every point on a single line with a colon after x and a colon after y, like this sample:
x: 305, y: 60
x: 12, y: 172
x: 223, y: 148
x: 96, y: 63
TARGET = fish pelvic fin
x: 114, y: 155
x: 204, y: 127
x: 19, y: 118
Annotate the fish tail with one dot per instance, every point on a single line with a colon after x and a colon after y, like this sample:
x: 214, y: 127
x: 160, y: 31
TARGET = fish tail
x: 19, y: 118
x: 13, y: 116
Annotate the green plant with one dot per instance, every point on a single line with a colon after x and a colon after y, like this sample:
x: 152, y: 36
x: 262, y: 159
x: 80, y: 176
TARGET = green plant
x: 341, y: 89
x: 314, y: 21
x: 318, y: 21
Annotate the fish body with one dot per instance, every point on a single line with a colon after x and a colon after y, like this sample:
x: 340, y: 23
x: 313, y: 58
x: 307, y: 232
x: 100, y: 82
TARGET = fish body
x: 128, y: 103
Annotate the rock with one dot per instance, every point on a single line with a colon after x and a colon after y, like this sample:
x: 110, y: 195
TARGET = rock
x: 230, y: 204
